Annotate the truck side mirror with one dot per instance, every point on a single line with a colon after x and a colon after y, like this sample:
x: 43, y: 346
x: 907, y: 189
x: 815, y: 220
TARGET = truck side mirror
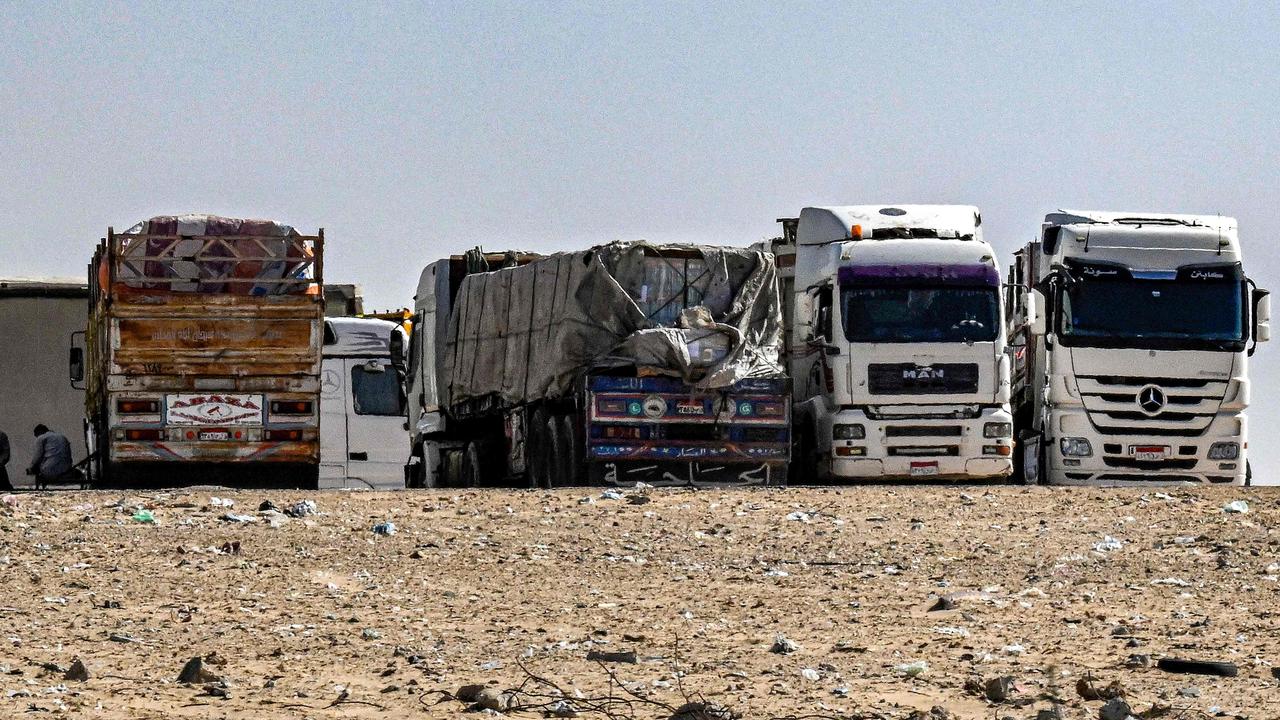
x: 397, y: 345
x: 1261, y: 317
x: 76, y: 364
x: 1035, y: 314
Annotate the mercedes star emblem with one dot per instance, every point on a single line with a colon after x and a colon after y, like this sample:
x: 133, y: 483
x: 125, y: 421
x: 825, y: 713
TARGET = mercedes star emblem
x: 1151, y: 400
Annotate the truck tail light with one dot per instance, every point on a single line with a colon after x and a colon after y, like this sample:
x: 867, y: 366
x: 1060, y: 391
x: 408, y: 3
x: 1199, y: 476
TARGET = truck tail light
x: 284, y: 434
x: 138, y: 407
x: 144, y: 434
x: 291, y: 407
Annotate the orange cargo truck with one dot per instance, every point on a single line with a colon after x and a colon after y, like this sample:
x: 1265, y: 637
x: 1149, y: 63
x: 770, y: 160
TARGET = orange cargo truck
x: 201, y: 358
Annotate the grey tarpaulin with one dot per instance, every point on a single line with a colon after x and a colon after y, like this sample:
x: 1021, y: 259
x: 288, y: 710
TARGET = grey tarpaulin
x: 711, y: 316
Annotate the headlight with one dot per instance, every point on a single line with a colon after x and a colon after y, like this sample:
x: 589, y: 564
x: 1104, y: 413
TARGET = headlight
x: 1224, y: 451
x: 849, y: 432
x: 1075, y: 447
x: 997, y: 430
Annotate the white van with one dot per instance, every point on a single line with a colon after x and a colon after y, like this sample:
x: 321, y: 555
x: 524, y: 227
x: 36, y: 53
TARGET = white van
x: 363, y: 439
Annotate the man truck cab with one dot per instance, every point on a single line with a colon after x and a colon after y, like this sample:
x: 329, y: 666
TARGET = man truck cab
x: 362, y: 433
x: 897, y: 344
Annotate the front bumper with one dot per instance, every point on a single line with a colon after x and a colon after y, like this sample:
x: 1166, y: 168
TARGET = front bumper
x: 924, y: 449
x: 1113, y: 463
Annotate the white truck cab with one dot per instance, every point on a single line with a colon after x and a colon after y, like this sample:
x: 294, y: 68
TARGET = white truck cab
x: 897, y: 344
x: 1131, y: 336
x: 362, y: 430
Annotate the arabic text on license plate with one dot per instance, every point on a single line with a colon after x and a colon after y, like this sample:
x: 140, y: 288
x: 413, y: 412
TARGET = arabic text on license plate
x: 215, y: 435
x: 1150, y: 453
x: 924, y: 468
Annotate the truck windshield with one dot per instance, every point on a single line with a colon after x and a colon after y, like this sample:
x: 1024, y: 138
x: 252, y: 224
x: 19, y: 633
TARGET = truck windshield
x: 1154, y: 314
x: 919, y: 314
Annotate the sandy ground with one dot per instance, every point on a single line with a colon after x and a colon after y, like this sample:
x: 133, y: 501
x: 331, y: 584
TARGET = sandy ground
x: 319, y: 617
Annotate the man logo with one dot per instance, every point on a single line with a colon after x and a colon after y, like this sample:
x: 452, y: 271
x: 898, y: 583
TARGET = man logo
x: 1151, y: 400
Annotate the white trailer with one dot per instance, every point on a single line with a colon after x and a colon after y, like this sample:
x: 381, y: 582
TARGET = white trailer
x: 40, y: 319
x: 1131, y: 334
x: 362, y: 428
x: 896, y: 344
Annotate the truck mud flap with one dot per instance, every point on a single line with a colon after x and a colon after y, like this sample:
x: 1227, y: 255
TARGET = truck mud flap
x: 676, y: 474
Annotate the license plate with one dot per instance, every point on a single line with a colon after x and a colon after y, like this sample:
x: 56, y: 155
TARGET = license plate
x: 214, y: 435
x: 1149, y: 453
x: 929, y: 468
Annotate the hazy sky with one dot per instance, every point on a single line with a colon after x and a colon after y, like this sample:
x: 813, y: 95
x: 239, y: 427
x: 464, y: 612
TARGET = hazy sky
x: 413, y: 131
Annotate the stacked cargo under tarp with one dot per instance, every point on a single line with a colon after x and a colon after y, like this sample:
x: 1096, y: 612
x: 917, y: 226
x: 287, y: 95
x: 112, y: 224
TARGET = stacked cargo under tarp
x: 213, y: 254
x: 710, y: 316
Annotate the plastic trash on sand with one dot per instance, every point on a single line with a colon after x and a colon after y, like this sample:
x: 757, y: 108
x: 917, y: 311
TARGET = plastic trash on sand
x: 385, y: 528
x: 912, y: 669
x: 1108, y: 544
x: 144, y: 516
x: 302, y: 508
x: 1236, y: 506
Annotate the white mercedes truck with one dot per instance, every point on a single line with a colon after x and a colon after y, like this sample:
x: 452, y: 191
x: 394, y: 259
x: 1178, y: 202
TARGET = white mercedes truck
x: 896, y: 345
x: 1130, y: 336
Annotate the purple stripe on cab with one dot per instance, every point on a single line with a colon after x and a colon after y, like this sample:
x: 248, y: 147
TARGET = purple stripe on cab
x: 968, y: 274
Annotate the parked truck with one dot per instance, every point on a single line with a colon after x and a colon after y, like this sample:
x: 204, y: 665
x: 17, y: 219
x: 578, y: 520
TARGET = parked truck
x: 897, y: 344
x: 202, y: 354
x: 623, y: 363
x: 1131, y: 335
x: 39, y: 317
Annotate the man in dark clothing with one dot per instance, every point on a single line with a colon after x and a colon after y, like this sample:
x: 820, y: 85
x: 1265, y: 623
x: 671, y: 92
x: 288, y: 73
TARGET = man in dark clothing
x: 52, y: 459
x: 4, y: 461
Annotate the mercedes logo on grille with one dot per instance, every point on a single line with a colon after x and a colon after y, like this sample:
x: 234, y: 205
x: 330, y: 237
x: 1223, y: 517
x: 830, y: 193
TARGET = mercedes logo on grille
x: 1151, y: 400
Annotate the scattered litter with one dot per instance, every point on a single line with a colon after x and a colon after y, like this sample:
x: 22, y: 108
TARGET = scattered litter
x: 144, y: 516
x: 1108, y: 544
x: 1236, y: 506
x: 612, y: 494
x: 385, y: 527
x: 266, y: 505
x: 1198, y: 667
x: 1014, y: 649
x: 78, y: 672
x: 302, y: 508
x: 232, y: 517
x: 1116, y: 709
x: 912, y: 669
x: 222, y: 502
x: 801, y: 516
x: 627, y: 656
x: 1176, y: 582
x: 952, y: 631
x: 810, y: 674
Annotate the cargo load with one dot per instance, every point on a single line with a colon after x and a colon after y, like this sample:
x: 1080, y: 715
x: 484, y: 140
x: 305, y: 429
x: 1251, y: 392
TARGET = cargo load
x: 709, y: 316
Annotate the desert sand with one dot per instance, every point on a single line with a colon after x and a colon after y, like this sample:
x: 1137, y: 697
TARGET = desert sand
x: 873, y: 602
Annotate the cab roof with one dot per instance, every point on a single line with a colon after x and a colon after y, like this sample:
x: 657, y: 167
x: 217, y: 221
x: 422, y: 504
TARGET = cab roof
x: 821, y: 225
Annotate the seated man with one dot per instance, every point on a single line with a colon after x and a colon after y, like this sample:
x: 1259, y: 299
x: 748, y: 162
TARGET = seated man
x: 52, y: 459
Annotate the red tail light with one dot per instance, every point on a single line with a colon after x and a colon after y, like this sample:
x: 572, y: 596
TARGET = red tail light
x: 284, y: 434
x: 291, y: 407
x: 144, y: 434
x: 138, y: 407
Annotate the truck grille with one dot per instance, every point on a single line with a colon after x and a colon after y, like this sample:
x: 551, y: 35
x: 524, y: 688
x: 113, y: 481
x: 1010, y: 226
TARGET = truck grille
x: 912, y: 379
x: 933, y: 451
x: 895, y: 431
x: 1151, y: 406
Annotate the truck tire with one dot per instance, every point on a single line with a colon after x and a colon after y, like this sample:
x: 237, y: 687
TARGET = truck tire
x: 575, y: 467
x: 472, y: 465
x: 538, y: 457
x: 560, y: 448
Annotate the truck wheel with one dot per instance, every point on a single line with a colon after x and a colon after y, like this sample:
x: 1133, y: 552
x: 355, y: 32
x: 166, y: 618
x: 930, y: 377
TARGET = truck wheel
x: 538, y: 450
x: 472, y: 465
x: 575, y: 447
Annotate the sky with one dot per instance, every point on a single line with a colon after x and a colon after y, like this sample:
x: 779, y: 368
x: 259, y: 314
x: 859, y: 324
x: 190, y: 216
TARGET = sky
x: 413, y: 131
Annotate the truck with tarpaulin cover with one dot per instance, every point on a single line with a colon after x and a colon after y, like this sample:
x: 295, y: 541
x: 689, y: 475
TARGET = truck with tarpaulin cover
x: 623, y: 363
x: 202, y: 353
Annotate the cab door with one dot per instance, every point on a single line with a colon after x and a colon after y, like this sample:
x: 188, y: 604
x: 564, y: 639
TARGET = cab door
x: 333, y: 423
x: 377, y: 442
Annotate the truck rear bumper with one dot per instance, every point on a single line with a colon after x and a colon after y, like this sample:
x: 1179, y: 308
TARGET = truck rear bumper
x: 216, y: 452
x: 687, y: 474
